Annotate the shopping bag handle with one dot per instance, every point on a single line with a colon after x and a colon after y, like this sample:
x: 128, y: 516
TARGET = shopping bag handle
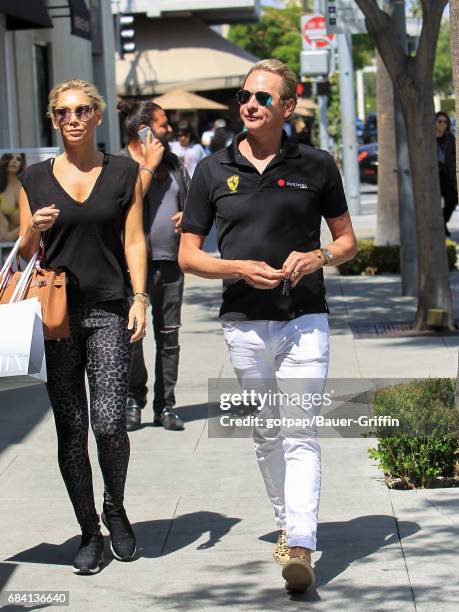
x: 21, y: 286
x: 7, y: 270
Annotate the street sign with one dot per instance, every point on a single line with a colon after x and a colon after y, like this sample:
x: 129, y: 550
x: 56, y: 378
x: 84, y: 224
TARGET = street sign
x: 344, y: 16
x: 314, y: 32
x: 315, y: 62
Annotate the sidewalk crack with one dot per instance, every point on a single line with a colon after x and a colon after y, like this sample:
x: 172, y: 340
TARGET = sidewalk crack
x: 163, y: 547
x: 405, y: 562
x: 9, y: 465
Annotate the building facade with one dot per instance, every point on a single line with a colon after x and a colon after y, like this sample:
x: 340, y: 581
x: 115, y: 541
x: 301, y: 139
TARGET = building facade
x: 43, y: 43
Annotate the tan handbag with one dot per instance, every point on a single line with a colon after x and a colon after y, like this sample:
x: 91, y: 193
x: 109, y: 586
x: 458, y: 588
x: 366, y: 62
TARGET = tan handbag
x: 48, y: 285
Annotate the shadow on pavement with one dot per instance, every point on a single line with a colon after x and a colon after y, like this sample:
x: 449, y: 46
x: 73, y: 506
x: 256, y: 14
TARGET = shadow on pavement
x: 193, y: 412
x: 155, y: 538
x: 182, y: 531
x: 342, y: 543
x: 21, y: 411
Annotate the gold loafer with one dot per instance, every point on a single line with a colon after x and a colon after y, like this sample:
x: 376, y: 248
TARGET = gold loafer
x: 298, y: 574
x: 281, y: 552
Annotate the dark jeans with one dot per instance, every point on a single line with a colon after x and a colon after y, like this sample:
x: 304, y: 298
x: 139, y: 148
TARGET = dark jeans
x: 165, y: 288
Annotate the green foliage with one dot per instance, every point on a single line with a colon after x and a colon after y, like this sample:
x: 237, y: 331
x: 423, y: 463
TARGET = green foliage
x: 363, y: 51
x: 277, y: 34
x: 443, y: 71
x: 425, y: 444
x: 371, y: 259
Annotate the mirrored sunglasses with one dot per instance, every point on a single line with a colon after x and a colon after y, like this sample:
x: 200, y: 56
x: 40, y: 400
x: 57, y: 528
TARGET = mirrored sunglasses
x: 263, y: 98
x: 82, y: 113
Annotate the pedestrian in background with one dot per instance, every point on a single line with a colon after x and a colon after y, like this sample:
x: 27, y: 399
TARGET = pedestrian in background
x: 222, y: 136
x: 186, y: 147
x: 164, y: 183
x: 267, y: 197
x: 87, y: 208
x: 446, y: 155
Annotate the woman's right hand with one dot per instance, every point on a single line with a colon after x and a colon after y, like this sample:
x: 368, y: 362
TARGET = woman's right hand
x: 44, y: 218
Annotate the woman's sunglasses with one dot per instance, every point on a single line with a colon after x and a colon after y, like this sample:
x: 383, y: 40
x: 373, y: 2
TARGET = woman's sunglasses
x: 82, y: 113
x: 263, y: 98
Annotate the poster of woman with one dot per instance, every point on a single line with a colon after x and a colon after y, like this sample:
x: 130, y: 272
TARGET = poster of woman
x: 12, y: 163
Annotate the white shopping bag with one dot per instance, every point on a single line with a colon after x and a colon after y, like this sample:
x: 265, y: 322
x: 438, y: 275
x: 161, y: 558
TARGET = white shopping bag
x: 22, y: 346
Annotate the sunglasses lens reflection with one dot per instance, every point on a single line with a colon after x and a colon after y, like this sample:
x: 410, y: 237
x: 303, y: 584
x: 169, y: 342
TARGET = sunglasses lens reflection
x: 263, y: 98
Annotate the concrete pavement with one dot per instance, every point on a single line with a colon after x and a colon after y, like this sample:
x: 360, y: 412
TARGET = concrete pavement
x: 204, y: 525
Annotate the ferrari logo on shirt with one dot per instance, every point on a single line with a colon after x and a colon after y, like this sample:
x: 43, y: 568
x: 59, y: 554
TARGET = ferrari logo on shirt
x: 233, y: 182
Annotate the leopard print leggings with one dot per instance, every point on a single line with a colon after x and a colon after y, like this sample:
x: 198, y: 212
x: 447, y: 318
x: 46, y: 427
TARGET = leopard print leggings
x: 99, y: 344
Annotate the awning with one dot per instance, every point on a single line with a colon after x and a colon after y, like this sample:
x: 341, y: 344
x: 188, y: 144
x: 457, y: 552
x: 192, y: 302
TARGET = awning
x: 177, y: 99
x: 180, y: 53
x: 25, y: 15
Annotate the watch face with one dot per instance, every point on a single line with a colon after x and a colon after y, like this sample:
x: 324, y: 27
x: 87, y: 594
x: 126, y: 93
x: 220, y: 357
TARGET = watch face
x: 328, y: 253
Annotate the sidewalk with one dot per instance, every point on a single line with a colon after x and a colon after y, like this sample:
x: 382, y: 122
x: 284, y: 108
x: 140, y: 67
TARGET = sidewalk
x: 204, y: 525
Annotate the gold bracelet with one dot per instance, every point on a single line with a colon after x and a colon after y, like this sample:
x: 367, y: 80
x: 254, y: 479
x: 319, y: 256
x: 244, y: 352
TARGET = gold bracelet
x: 320, y: 256
x: 143, y: 298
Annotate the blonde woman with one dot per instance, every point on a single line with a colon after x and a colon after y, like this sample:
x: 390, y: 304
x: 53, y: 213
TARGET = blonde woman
x: 87, y: 208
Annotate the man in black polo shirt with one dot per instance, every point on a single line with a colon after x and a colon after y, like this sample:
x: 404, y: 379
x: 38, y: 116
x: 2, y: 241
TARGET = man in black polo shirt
x: 267, y: 198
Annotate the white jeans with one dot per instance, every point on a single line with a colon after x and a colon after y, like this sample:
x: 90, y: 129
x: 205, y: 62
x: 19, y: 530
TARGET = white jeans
x: 287, y: 357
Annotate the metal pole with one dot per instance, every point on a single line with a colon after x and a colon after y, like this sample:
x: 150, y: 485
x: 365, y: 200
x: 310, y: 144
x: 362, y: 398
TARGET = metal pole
x: 407, y: 214
x: 347, y: 98
x: 322, y: 100
x: 360, y: 83
x: 323, y: 122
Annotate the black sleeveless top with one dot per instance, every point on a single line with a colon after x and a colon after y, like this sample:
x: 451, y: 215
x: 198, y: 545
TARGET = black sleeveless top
x: 86, y: 239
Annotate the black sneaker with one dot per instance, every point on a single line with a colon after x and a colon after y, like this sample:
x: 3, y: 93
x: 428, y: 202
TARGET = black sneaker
x: 90, y: 555
x: 169, y: 419
x: 122, y: 538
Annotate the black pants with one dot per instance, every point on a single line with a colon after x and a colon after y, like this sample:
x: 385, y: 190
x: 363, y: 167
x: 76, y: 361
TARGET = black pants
x: 99, y: 345
x: 165, y: 288
x: 449, y: 194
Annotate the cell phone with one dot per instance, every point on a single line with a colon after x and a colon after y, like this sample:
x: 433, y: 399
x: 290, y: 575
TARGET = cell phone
x: 143, y: 134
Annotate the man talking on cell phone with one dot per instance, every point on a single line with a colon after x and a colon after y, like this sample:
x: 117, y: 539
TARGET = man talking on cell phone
x: 164, y: 184
x: 267, y: 197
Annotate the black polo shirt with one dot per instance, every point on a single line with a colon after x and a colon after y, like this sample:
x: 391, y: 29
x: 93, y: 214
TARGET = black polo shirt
x: 265, y: 217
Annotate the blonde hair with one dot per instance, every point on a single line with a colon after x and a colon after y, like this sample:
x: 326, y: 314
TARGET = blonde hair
x: 277, y: 67
x: 89, y: 89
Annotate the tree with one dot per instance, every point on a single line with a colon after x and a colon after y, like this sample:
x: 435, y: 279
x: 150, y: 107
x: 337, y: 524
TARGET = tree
x: 387, y: 220
x: 443, y: 72
x: 412, y: 77
x: 277, y: 34
x: 454, y: 22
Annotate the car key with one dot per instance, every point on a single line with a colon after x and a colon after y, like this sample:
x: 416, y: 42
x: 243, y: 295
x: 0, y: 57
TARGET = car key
x: 286, y: 286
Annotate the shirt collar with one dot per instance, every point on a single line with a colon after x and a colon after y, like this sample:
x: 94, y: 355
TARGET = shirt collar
x: 232, y: 155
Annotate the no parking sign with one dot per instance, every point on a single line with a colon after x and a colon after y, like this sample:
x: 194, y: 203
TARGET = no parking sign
x: 314, y: 32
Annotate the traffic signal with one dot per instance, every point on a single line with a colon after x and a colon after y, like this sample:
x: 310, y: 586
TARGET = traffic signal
x: 304, y: 90
x: 125, y: 34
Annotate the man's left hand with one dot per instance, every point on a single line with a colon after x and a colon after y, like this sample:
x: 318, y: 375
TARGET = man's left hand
x: 299, y: 264
x: 178, y: 222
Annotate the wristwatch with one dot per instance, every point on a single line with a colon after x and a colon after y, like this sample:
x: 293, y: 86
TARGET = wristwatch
x: 328, y: 256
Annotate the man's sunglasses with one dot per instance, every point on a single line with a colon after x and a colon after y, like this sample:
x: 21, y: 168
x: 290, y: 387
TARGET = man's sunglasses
x: 82, y: 113
x: 263, y: 98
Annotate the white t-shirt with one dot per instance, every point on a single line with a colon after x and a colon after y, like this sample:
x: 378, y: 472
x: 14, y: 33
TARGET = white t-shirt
x: 189, y: 156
